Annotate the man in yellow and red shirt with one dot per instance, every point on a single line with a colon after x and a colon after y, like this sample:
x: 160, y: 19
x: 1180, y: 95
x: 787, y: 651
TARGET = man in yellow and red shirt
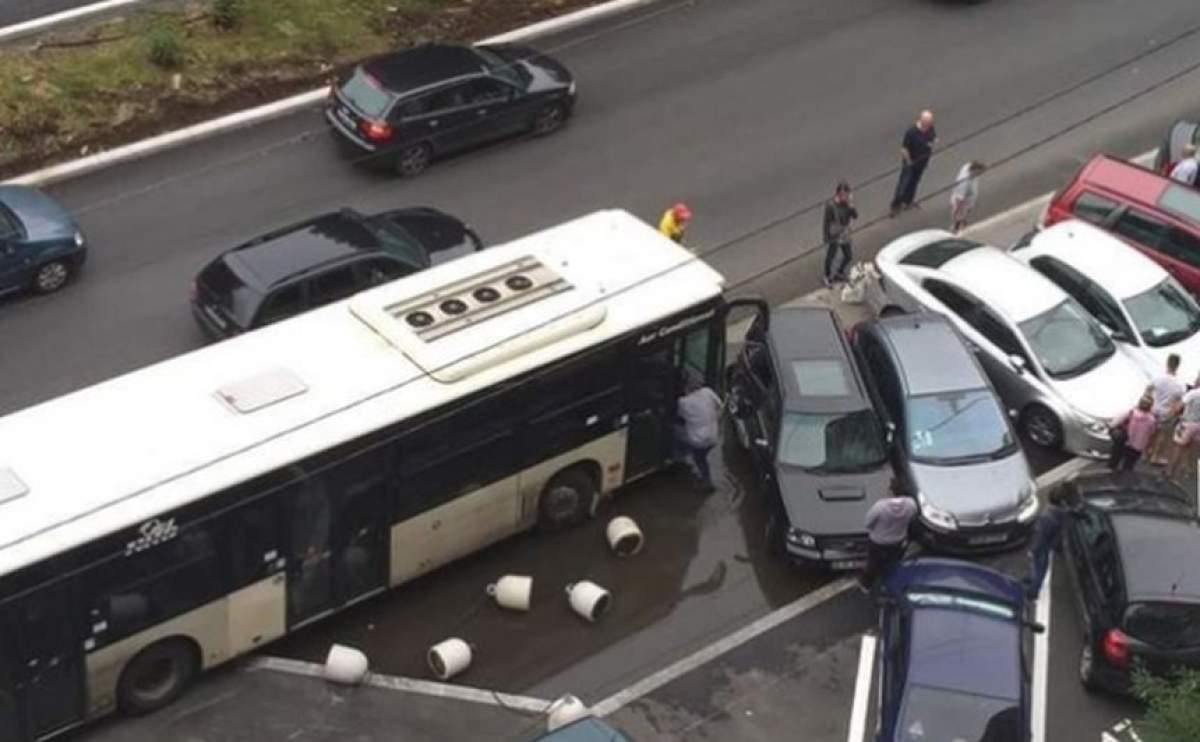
x: 674, y: 222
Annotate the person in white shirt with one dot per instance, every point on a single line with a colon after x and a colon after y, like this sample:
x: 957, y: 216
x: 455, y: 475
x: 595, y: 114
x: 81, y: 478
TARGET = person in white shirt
x: 965, y: 194
x: 1187, y: 432
x: 1185, y: 170
x: 1167, y: 390
x: 698, y: 431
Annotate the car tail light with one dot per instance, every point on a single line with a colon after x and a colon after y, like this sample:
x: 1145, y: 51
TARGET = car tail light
x: 1116, y: 648
x: 376, y: 131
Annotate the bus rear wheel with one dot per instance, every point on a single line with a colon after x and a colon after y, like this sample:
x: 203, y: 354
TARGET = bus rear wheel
x: 566, y: 500
x: 156, y: 676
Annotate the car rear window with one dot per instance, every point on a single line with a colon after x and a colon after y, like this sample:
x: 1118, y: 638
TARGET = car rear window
x: 943, y: 714
x: 224, y: 288
x: 1167, y: 625
x: 935, y: 254
x: 1181, y: 201
x: 826, y: 377
x: 366, y: 94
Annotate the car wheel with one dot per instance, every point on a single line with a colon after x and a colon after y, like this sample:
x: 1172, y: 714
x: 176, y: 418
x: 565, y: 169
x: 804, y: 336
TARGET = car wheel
x: 1087, y: 666
x: 891, y: 310
x: 566, y: 500
x: 549, y: 119
x: 156, y: 676
x: 1041, y: 426
x: 413, y: 160
x: 51, y: 277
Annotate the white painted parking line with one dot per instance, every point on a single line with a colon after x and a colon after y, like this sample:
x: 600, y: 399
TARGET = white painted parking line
x: 410, y: 685
x: 39, y: 24
x: 1041, y: 661
x: 862, y: 690
x: 653, y: 682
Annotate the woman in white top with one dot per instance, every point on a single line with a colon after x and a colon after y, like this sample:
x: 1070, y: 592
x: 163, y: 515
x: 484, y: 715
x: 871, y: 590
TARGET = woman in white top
x: 964, y: 195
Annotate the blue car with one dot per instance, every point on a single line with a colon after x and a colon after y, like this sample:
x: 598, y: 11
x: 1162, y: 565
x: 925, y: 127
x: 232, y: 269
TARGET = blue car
x: 41, y: 246
x: 952, y: 661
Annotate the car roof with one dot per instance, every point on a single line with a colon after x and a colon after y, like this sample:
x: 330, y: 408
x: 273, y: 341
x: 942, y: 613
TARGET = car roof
x: 1108, y: 261
x: 1123, y: 178
x: 283, y: 253
x: 1003, y: 282
x: 1158, y: 555
x: 422, y: 66
x: 951, y: 647
x: 810, y: 333
x: 931, y: 355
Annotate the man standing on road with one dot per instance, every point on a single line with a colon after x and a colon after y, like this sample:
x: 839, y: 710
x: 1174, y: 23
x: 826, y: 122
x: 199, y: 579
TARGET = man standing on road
x: 1047, y: 532
x: 1185, y: 170
x: 915, y: 152
x: 699, y: 412
x: 1167, y: 390
x: 887, y: 525
x: 835, y: 230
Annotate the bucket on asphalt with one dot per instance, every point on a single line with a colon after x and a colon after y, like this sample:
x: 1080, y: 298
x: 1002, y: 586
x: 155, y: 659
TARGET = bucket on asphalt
x: 624, y: 536
x: 449, y: 657
x: 589, y: 599
x: 512, y: 591
x: 565, y: 710
x: 345, y: 665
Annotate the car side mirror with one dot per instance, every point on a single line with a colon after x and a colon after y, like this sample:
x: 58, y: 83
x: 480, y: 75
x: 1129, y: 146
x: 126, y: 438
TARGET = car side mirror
x: 1017, y: 363
x: 1035, y: 627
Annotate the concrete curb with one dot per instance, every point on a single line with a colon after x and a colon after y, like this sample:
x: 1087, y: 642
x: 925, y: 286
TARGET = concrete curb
x: 278, y: 109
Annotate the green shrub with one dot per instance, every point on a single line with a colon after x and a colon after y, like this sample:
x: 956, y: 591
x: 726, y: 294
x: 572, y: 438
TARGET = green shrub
x: 228, y: 14
x: 165, y: 45
x: 1172, y: 706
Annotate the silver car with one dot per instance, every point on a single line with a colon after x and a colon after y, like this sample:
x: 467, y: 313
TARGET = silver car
x: 1050, y: 360
x: 953, y: 444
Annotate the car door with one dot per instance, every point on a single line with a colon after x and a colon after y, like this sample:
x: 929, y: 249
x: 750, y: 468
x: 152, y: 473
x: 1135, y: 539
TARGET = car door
x: 281, y: 304
x: 1145, y: 232
x: 449, y: 123
x: 333, y: 285
x: 497, y: 109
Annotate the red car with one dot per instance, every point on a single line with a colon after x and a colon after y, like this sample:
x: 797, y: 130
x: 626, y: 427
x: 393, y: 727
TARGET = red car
x: 1154, y: 214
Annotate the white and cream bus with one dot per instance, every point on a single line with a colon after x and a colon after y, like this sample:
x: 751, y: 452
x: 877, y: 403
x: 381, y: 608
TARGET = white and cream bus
x: 170, y: 519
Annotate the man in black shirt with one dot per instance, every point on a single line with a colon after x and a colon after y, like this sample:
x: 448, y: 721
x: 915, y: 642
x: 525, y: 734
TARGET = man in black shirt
x: 835, y: 231
x: 914, y: 155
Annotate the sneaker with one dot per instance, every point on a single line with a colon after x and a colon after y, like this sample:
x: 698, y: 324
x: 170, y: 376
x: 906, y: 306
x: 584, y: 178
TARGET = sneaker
x: 827, y: 281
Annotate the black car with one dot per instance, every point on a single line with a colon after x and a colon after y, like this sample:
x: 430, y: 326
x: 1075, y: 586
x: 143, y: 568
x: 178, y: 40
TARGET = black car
x: 1132, y: 546
x: 321, y: 260
x: 403, y: 109
x: 799, y: 406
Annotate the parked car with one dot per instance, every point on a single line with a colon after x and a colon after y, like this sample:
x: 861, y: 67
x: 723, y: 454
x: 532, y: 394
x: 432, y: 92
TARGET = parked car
x: 799, y: 406
x: 1154, y: 214
x: 41, y: 246
x: 951, y: 658
x: 587, y: 729
x: 1131, y: 550
x: 406, y: 107
x: 320, y: 260
x: 952, y: 442
x: 1050, y: 361
x: 1171, y: 150
x: 1140, y: 305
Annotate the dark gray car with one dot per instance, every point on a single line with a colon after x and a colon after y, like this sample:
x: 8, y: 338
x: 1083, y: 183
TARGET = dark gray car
x: 954, y: 446
x: 799, y: 406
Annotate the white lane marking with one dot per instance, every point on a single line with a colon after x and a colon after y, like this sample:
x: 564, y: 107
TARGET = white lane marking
x: 1041, y: 660
x: 653, y: 682
x: 46, y: 21
x: 411, y: 685
x: 259, y: 114
x: 862, y: 690
x: 1062, y: 471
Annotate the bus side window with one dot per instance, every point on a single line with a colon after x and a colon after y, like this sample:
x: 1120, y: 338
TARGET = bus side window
x: 695, y: 353
x: 255, y: 543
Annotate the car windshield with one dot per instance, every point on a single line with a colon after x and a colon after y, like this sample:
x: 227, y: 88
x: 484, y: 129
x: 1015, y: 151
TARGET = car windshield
x: 367, y: 95
x: 1166, y: 625
x: 396, y: 241
x: 964, y: 602
x: 503, y: 68
x: 953, y: 427
x: 1163, y: 315
x: 950, y: 716
x: 1066, y: 341
x: 832, y: 443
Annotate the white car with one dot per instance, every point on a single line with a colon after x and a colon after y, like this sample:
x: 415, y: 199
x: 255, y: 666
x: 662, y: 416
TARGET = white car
x: 1139, y: 303
x: 1051, y: 362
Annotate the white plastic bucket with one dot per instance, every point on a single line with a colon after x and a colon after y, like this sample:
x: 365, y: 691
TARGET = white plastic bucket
x: 449, y: 657
x: 565, y: 710
x: 512, y: 591
x: 624, y: 536
x: 589, y: 599
x: 345, y: 665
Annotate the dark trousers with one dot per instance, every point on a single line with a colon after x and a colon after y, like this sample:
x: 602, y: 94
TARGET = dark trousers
x: 837, y: 254
x: 1039, y: 562
x: 697, y: 455
x: 1123, y: 456
x: 906, y: 184
x: 880, y: 560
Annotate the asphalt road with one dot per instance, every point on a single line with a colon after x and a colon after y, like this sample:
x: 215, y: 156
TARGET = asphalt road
x: 746, y: 110
x: 19, y: 11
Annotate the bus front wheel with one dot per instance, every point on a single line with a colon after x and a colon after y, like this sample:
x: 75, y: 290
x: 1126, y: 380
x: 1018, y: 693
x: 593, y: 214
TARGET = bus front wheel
x: 567, y: 500
x: 156, y: 676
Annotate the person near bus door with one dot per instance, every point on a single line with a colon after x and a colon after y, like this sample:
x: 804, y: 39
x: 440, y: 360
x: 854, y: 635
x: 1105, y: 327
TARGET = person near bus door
x: 675, y: 221
x: 835, y: 231
x: 698, y: 429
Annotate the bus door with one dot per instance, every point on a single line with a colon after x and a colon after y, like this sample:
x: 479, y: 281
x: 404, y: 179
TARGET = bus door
x: 50, y: 653
x: 650, y: 401
x: 10, y: 704
x: 337, y: 538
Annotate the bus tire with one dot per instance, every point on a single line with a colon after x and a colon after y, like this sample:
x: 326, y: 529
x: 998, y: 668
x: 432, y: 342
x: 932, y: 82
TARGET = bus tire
x: 157, y: 675
x: 567, y: 500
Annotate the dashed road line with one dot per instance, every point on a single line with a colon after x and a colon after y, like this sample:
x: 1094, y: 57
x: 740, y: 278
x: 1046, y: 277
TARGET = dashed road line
x: 862, y: 690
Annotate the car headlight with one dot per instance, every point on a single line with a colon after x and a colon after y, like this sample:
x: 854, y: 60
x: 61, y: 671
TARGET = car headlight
x: 1028, y: 504
x: 1096, y: 427
x: 78, y: 238
x: 571, y: 90
x: 934, y: 514
x: 800, y: 538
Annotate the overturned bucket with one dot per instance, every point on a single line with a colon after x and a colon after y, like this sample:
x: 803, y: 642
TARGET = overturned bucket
x: 345, y: 665
x: 589, y: 599
x: 565, y: 710
x: 624, y: 536
x: 449, y: 657
x: 512, y: 591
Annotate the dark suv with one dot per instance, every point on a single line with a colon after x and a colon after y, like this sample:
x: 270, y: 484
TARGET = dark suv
x: 799, y: 406
x: 404, y: 108
x: 323, y: 259
x: 1131, y: 547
